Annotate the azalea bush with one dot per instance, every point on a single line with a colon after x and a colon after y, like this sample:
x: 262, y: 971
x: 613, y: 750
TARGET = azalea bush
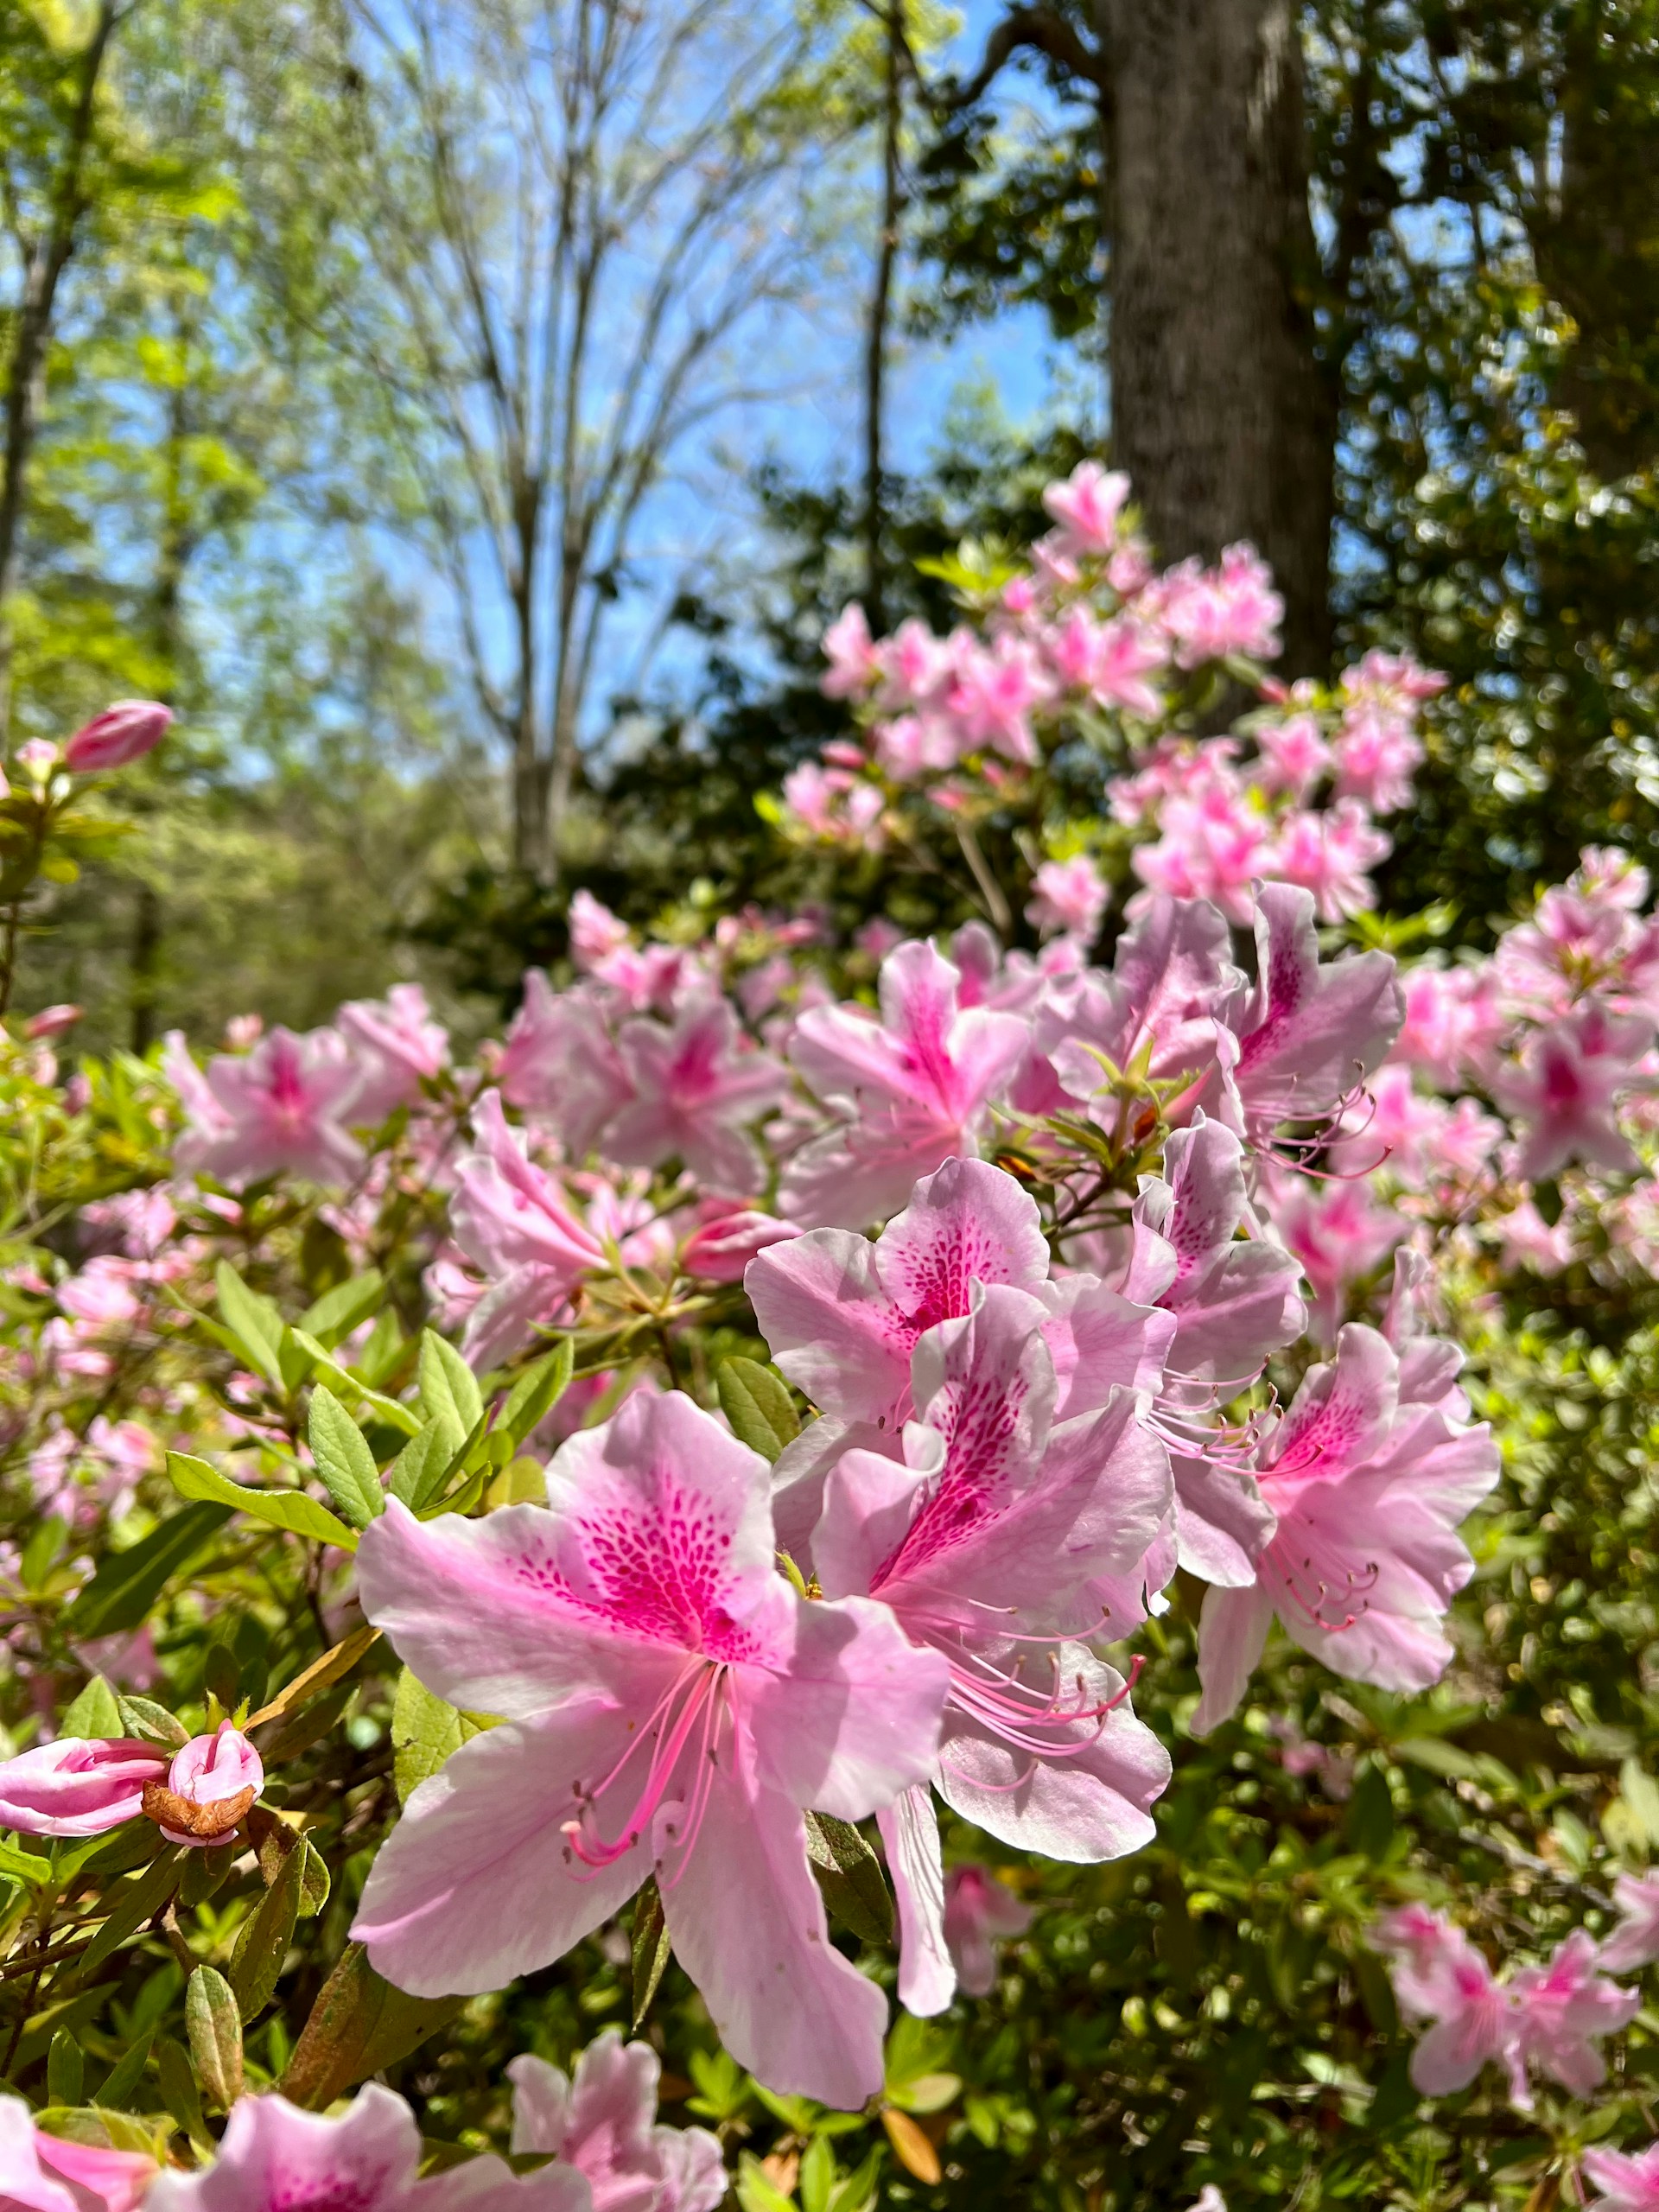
x: 998, y: 1567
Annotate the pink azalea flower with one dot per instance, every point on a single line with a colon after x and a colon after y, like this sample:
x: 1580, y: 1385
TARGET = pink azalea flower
x: 1170, y: 973
x: 835, y: 803
x: 1210, y: 613
x: 1308, y: 1033
x: 122, y: 734
x: 915, y: 745
x: 842, y: 1317
x: 1377, y: 752
x: 1369, y: 1489
x: 560, y: 1065
x: 854, y: 662
x: 76, y: 1786
x: 273, y: 2158
x: 990, y: 1539
x: 595, y: 932
x: 603, y: 2124
x: 909, y: 1090
x: 1562, y: 2009
x: 1527, y: 1239
x: 1570, y: 1075
x: 1439, y: 1976
x: 282, y: 1107
x: 1127, y: 655
x: 1628, y: 2182
x: 42, y: 2173
x: 1087, y: 506
x: 978, y: 1909
x: 1635, y: 1941
x: 515, y: 1222
x: 695, y: 1086
x: 1232, y: 1304
x: 1214, y: 844
x: 1327, y: 852
x: 397, y: 1045
x: 52, y: 1021
x: 1441, y: 1023
x: 1068, y: 895
x: 1295, y: 755
x: 671, y: 1706
x: 997, y: 692
x: 915, y: 665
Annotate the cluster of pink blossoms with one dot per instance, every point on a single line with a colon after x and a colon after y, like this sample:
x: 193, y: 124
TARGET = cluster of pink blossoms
x: 1544, y: 2020
x: 1022, y: 1430
x: 1091, y: 631
x: 1024, y: 1235
x: 595, y: 2132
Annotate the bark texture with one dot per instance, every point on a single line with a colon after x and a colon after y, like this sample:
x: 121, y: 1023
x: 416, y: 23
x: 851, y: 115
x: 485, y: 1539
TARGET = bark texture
x: 1221, y: 412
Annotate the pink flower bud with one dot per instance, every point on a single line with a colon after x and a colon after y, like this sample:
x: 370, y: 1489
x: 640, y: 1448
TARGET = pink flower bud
x: 121, y: 732
x: 210, y: 1786
x: 37, y: 759
x: 52, y: 1021
x: 76, y: 1786
x: 724, y: 1242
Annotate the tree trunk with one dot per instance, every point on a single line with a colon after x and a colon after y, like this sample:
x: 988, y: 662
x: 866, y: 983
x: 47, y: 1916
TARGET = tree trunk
x: 25, y: 393
x: 1221, y: 412
x: 1595, y: 249
x: 875, y: 351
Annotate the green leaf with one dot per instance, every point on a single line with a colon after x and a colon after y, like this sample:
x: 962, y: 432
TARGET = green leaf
x: 125, y: 2075
x: 418, y: 1472
x: 537, y: 1391
x: 651, y: 1948
x: 757, y: 1404
x: 424, y: 1731
x: 338, y: 1312
x: 64, y: 2069
x: 123, y: 1591
x: 177, y: 2082
x: 94, y: 1712
x: 849, y: 1874
x: 755, y: 2193
x: 142, y: 1898
x: 314, y: 1880
x: 253, y: 1320
x: 214, y: 2026
x: 17, y: 1864
x: 1369, y: 1820
x: 279, y: 1508
x: 149, y: 1723
x: 448, y: 1384
x: 344, y: 1383
x: 344, y: 1460
x: 263, y: 1944
x: 358, y: 2024
x: 1639, y: 1791
x: 42, y: 1551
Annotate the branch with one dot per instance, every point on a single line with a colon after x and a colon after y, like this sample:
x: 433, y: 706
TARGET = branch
x: 1038, y: 29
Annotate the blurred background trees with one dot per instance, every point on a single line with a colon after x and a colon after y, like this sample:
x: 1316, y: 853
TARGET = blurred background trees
x: 468, y: 414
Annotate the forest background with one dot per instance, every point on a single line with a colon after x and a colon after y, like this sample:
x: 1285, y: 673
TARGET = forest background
x: 477, y: 489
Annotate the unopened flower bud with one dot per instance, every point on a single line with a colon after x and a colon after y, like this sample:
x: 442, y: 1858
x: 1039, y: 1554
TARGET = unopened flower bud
x: 121, y: 733
x: 210, y: 1786
x: 724, y: 1242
